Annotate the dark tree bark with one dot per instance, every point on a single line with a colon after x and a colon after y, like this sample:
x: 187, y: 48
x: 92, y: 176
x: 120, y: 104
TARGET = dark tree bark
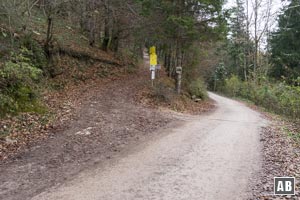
x: 106, y: 39
x: 49, y: 36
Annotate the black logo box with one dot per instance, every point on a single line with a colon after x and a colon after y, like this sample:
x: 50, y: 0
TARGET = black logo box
x: 284, y: 181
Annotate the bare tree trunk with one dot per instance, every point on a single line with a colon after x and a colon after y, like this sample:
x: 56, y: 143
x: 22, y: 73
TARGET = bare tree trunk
x: 246, y: 50
x: 178, y: 64
x: 259, y: 31
x: 12, y: 40
x: 106, y: 39
x: 179, y: 77
x: 115, y: 37
x: 255, y: 39
x: 91, y: 22
x: 168, y: 59
x: 245, y: 67
x: 49, y: 35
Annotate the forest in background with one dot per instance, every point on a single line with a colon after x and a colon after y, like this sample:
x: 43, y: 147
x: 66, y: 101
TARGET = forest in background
x: 37, y: 34
x: 215, y: 46
x: 261, y: 62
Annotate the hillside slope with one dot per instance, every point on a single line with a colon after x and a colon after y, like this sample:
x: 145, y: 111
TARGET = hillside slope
x: 104, y: 119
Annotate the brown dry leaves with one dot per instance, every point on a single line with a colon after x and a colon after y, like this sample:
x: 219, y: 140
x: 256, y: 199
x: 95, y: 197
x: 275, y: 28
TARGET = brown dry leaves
x: 17, y: 132
x: 163, y: 95
x: 176, y: 103
x: 281, y: 157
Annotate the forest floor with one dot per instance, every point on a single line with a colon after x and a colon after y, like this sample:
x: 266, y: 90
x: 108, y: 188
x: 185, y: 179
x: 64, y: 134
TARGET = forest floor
x: 280, y: 156
x: 96, y: 121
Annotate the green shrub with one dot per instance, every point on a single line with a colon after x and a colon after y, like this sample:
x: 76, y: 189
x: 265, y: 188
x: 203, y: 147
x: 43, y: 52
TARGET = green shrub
x: 277, y: 97
x: 289, y: 99
x: 197, y: 88
x: 6, y: 104
x: 18, y: 84
x: 233, y: 86
x: 34, y: 52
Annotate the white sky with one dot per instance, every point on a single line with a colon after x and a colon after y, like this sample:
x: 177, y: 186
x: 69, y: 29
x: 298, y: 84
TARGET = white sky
x: 276, y: 6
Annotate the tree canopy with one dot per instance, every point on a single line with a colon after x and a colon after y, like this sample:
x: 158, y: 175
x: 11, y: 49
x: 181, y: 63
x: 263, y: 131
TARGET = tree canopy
x: 285, y: 44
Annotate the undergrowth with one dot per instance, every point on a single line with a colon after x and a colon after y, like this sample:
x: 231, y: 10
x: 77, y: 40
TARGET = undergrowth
x: 279, y: 98
x: 19, y: 79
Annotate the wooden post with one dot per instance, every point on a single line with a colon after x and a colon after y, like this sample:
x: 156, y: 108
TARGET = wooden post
x: 178, y: 79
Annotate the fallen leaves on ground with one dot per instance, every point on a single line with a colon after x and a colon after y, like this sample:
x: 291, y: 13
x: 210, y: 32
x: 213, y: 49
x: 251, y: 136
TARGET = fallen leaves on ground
x: 281, y: 157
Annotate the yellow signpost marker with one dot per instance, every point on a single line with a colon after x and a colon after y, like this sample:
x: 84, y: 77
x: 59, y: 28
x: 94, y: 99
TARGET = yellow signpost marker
x: 153, y: 62
x: 153, y: 59
x: 152, y: 50
x: 153, y: 56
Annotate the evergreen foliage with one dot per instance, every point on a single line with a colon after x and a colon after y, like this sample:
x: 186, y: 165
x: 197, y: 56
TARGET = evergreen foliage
x: 285, y: 45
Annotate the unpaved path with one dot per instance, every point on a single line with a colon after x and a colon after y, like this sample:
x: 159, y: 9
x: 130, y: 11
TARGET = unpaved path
x: 107, y: 121
x: 208, y: 157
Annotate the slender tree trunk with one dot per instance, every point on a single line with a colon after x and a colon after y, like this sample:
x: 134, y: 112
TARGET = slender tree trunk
x: 178, y: 64
x: 167, y: 60
x: 106, y: 39
x: 12, y: 40
x: 245, y: 65
x: 115, y: 37
x: 48, y: 35
x: 255, y: 40
x: 247, y: 50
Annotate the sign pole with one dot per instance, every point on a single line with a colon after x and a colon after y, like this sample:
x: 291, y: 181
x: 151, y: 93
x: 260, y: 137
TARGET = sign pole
x: 153, y: 63
x: 152, y: 76
x: 178, y: 80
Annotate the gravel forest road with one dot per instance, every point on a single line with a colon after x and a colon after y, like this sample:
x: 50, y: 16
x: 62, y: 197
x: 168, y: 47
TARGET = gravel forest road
x: 212, y: 156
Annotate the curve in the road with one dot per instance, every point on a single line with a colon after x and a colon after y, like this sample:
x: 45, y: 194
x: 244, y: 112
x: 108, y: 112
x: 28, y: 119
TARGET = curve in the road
x: 211, y: 157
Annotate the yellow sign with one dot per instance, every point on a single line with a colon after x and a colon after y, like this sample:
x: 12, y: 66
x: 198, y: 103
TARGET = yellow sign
x: 152, y: 50
x: 153, y: 59
x: 153, y: 56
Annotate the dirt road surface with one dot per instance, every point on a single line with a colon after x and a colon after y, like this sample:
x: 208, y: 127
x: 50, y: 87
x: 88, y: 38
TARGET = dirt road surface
x: 212, y: 156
